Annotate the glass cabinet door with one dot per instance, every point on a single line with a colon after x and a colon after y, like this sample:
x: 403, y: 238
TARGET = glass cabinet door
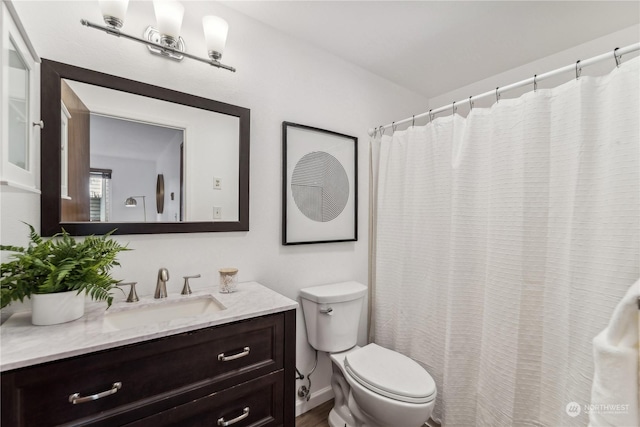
x: 18, y: 108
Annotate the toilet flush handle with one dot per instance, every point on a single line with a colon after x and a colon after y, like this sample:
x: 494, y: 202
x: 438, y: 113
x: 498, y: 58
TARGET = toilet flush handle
x: 326, y: 310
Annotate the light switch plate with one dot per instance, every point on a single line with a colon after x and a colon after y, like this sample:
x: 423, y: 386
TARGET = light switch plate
x: 217, y: 183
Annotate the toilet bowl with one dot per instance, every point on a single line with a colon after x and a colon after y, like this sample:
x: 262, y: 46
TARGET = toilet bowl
x: 373, y: 386
x: 388, y: 388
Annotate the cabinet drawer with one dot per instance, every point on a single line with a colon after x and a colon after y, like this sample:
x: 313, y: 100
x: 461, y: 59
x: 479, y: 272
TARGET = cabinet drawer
x: 254, y: 403
x: 153, y: 375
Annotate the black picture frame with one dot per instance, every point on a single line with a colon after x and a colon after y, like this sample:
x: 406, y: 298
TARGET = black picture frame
x: 319, y: 185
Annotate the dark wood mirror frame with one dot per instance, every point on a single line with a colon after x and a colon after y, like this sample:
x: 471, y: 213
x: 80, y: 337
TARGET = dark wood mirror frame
x: 51, y: 76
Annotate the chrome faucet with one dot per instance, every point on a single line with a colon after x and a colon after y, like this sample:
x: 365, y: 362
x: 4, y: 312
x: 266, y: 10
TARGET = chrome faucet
x: 133, y: 295
x: 161, y: 286
x: 186, y: 289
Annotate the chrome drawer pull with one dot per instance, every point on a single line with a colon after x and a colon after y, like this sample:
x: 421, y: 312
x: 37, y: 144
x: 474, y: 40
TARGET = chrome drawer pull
x: 75, y: 397
x: 224, y: 358
x: 245, y: 414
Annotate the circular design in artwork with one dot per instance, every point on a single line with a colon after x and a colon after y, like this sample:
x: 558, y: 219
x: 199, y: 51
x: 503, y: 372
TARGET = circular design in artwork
x: 320, y: 186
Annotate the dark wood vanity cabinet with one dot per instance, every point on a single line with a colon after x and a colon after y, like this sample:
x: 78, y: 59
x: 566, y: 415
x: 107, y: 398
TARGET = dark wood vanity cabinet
x: 240, y: 374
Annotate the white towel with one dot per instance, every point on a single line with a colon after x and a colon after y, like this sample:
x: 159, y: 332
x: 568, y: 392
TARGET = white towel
x: 614, y: 394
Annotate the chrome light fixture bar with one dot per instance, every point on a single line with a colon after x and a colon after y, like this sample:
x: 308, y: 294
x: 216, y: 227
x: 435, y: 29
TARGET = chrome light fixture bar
x: 165, y: 40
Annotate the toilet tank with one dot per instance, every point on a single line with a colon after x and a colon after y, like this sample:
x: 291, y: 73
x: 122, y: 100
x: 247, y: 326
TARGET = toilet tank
x: 332, y: 315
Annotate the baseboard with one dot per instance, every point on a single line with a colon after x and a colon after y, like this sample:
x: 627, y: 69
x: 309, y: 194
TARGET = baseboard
x: 317, y: 398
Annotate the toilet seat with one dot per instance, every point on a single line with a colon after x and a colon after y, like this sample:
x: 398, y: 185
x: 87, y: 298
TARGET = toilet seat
x: 390, y: 374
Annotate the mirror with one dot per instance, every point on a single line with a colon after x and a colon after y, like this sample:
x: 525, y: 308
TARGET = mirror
x: 111, y: 146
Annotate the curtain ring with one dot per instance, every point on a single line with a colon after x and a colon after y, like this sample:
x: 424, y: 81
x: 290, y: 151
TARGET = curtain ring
x: 616, y: 57
x: 470, y: 104
x: 535, y: 83
x: 453, y: 108
x: 497, y: 94
x: 578, y: 70
x: 393, y: 126
x: 413, y: 121
x: 430, y: 116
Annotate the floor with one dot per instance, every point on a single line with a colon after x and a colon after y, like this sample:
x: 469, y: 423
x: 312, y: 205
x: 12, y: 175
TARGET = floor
x: 317, y: 417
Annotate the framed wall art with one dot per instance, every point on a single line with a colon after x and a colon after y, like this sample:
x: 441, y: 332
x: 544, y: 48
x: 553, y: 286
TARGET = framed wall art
x: 320, y: 185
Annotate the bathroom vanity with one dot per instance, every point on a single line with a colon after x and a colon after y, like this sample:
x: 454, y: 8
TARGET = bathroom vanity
x: 232, y: 366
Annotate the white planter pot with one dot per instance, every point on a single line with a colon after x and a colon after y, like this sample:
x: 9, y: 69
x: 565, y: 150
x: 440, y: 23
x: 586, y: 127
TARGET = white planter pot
x: 60, y: 307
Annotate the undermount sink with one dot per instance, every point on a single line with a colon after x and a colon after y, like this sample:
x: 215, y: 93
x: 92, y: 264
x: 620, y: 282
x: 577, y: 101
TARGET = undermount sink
x: 162, y: 311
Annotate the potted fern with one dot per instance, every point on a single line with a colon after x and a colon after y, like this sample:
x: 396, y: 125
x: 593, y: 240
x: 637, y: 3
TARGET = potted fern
x: 57, y: 273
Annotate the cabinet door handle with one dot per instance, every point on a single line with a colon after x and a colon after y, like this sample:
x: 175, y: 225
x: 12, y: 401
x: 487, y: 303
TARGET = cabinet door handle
x: 75, y: 398
x: 243, y: 353
x: 223, y: 423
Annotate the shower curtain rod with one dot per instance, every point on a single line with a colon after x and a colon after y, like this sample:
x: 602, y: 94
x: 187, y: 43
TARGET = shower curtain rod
x: 577, y: 67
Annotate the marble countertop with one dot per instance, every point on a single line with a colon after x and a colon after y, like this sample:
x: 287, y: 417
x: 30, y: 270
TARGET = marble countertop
x: 23, y: 344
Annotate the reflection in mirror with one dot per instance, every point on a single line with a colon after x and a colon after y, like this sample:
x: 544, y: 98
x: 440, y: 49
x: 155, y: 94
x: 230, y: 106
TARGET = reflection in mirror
x: 160, y: 194
x: 130, y: 136
x: 111, y: 139
x: 133, y: 154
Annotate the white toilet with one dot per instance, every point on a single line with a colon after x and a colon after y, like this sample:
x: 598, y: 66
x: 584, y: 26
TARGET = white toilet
x: 373, y: 386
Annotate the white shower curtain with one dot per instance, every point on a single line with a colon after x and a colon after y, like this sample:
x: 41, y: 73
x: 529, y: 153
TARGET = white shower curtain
x: 503, y: 242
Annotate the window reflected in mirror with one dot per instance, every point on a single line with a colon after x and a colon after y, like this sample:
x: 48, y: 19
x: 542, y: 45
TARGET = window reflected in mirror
x: 100, y: 194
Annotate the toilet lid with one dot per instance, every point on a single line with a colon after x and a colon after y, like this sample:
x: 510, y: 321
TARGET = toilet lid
x: 390, y: 374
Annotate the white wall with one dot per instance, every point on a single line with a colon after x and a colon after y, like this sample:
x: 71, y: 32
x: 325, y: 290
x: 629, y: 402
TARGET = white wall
x: 279, y: 79
x: 211, y: 150
x: 584, y: 51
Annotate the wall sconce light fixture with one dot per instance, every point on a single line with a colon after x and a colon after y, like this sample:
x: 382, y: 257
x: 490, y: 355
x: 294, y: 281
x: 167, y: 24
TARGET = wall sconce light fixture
x: 131, y: 202
x: 165, y: 40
